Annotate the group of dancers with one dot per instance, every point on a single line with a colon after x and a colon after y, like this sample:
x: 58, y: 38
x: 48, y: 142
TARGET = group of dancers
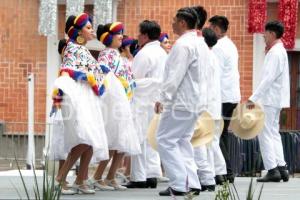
x: 102, y: 108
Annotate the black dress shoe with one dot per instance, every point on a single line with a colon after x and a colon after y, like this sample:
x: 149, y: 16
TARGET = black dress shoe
x: 230, y: 178
x: 195, y: 191
x: 209, y: 188
x: 151, y: 182
x: 136, y: 184
x: 219, y: 179
x: 284, y: 173
x: 273, y: 175
x: 169, y: 192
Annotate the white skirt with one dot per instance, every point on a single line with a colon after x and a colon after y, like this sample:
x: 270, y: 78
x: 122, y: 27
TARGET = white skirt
x: 56, y: 146
x: 119, y: 126
x: 82, y: 116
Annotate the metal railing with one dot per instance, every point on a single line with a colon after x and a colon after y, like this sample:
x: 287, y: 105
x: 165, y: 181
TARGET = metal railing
x: 14, y: 142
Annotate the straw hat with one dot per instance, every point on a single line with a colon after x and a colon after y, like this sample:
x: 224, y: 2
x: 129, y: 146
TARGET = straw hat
x: 203, y: 134
x: 151, y: 133
x: 247, y: 124
x: 204, y: 130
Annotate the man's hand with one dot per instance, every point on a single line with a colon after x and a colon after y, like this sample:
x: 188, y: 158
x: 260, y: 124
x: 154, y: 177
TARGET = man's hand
x: 158, y: 108
x: 250, y: 105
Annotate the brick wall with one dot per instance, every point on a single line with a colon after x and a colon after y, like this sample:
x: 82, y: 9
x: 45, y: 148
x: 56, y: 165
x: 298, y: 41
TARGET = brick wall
x: 131, y: 12
x: 22, y: 51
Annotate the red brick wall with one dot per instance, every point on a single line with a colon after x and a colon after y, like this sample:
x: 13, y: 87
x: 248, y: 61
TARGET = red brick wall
x: 131, y: 12
x: 22, y: 51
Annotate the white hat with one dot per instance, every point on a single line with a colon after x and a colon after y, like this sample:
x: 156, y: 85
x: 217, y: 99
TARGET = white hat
x: 247, y: 123
x: 151, y: 133
x: 204, y: 130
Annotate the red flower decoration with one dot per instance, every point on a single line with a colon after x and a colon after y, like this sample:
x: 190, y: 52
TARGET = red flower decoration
x: 288, y: 15
x: 257, y: 16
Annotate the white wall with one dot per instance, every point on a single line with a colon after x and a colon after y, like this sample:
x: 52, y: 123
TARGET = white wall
x: 258, y: 58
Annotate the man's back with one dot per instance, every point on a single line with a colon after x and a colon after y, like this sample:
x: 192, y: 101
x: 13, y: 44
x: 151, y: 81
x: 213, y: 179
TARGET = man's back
x: 227, y: 54
x: 185, y: 81
x: 149, y: 61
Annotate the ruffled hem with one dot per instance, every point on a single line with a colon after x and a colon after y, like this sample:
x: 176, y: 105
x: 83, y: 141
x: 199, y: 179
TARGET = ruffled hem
x: 82, y: 116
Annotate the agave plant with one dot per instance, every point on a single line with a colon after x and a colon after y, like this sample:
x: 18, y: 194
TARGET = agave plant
x: 251, y: 191
x: 229, y: 192
x: 50, y: 190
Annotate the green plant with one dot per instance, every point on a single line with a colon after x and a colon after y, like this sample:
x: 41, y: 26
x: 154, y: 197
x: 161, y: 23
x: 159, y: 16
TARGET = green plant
x: 251, y: 191
x: 189, y: 196
x: 50, y: 190
x: 229, y: 192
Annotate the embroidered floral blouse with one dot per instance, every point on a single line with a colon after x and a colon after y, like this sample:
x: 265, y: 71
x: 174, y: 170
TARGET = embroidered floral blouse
x: 78, y: 57
x: 120, y: 66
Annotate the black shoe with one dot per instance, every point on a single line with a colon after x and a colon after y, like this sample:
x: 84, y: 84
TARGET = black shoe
x: 230, y: 178
x: 136, y: 184
x: 209, y: 188
x: 195, y: 191
x: 273, y: 175
x: 170, y: 191
x: 219, y: 179
x: 284, y: 173
x: 151, y: 183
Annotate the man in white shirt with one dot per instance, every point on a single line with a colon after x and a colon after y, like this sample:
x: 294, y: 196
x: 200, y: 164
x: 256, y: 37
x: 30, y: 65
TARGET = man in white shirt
x: 183, y: 98
x: 148, y: 67
x: 274, y: 93
x: 227, y: 54
x: 209, y: 158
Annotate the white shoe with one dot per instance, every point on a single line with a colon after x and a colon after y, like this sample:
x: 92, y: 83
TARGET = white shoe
x: 65, y: 188
x: 122, y: 177
x: 68, y: 191
x: 83, y: 189
x: 100, y: 185
x: 113, y: 183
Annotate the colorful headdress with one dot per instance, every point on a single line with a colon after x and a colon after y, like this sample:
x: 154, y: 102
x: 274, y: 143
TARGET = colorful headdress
x: 107, y: 37
x: 163, y: 36
x: 127, y: 41
x: 79, y: 22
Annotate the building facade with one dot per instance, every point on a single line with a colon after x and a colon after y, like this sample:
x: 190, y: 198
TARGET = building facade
x: 24, y: 51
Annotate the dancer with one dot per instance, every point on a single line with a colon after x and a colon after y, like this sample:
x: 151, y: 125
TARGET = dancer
x: 274, y: 93
x: 227, y: 54
x: 121, y: 134
x: 185, y: 74
x: 84, y: 133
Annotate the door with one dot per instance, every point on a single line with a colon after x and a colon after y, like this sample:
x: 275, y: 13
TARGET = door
x: 290, y: 118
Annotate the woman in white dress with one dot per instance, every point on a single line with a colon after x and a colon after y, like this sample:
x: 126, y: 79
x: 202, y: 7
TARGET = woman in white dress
x: 121, y: 134
x: 81, y: 108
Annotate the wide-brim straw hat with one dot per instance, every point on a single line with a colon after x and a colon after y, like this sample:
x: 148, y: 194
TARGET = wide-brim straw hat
x: 204, y: 130
x: 151, y: 133
x: 203, y: 134
x: 245, y: 123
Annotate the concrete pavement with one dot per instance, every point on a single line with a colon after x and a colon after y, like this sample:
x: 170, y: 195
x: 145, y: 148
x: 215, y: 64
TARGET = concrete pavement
x: 271, y: 191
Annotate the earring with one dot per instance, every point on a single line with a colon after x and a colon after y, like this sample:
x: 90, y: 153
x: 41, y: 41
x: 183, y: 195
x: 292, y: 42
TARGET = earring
x: 80, y: 39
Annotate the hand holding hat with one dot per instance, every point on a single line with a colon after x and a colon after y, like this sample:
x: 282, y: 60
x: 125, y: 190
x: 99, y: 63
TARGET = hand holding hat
x: 247, y: 120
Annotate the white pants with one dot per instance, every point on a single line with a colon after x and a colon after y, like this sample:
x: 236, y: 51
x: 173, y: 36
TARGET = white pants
x: 145, y: 165
x: 270, y: 140
x: 175, y: 149
x: 203, y: 155
x: 218, y: 160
